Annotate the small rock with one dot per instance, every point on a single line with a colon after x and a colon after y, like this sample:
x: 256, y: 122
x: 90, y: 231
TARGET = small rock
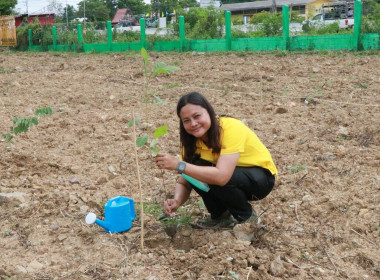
x: 342, y: 131
x: 34, y: 266
x: 268, y: 108
x: 306, y: 198
x: 18, y: 196
x: 55, y: 227
x: 281, y: 110
x: 243, y: 232
x: 318, y: 272
x: 276, y: 267
x: 62, y: 237
x: 315, y: 70
x: 126, y: 136
x: 84, y: 209
x: 112, y: 170
x: 15, y: 84
x: 101, y: 180
x: 20, y: 269
x: 74, y: 181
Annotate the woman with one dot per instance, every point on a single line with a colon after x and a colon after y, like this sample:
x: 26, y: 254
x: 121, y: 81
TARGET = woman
x: 225, y: 154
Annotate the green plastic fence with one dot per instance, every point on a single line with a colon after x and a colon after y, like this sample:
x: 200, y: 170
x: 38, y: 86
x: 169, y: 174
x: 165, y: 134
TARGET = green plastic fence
x: 353, y: 41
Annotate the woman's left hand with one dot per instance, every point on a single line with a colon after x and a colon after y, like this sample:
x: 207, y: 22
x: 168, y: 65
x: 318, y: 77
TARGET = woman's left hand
x: 166, y: 161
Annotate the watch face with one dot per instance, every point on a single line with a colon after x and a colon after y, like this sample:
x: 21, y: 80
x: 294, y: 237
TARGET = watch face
x: 181, y: 167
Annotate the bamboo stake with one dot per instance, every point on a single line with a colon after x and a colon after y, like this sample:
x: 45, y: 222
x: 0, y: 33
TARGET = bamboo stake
x: 139, y: 180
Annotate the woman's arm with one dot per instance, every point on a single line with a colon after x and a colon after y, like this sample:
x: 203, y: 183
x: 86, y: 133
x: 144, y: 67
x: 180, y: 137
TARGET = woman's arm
x: 181, y: 195
x: 215, y: 175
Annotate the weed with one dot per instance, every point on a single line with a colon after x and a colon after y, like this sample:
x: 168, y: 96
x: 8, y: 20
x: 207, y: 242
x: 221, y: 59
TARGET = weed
x: 172, y: 85
x: 23, y: 124
x: 297, y: 168
x: 4, y: 70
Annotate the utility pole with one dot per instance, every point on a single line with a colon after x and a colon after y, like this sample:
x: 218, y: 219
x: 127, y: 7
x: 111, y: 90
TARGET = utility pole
x: 67, y: 18
x: 26, y: 2
x: 84, y: 13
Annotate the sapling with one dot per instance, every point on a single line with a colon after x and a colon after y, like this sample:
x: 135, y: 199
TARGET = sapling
x: 23, y: 124
x: 139, y: 142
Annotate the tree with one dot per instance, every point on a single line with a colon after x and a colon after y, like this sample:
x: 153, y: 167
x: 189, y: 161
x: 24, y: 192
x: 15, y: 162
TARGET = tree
x: 94, y: 10
x: 136, y: 6
x: 6, y: 6
x: 112, y: 6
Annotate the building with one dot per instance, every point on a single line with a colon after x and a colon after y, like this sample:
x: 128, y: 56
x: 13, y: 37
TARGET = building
x: 123, y: 15
x: 210, y: 3
x: 306, y: 8
x: 43, y: 19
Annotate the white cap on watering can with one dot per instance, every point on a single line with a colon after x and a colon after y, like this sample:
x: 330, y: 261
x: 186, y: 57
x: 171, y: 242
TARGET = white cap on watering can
x: 90, y: 218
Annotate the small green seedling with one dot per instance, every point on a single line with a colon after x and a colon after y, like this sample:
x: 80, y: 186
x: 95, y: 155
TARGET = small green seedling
x: 23, y: 124
x: 297, y: 168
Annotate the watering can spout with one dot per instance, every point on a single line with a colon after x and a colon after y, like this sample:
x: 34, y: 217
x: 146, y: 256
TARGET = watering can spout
x: 91, y: 218
x: 103, y: 224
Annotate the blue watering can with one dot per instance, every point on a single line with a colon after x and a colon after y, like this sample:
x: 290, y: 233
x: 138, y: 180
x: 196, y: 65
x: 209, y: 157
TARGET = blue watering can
x: 119, y: 213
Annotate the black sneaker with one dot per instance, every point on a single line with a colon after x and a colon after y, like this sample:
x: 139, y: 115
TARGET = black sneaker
x: 254, y: 219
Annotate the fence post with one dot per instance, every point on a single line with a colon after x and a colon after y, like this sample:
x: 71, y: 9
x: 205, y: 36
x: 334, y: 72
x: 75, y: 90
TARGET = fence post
x: 80, y: 35
x: 357, y: 24
x: 54, y: 31
x: 142, y: 33
x: 80, y: 38
x: 181, y: 33
x: 228, y: 30
x: 285, y: 26
x: 109, y: 35
x: 30, y: 38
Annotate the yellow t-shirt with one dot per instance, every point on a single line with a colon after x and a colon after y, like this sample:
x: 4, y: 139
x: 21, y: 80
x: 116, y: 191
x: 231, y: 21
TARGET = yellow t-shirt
x: 238, y: 138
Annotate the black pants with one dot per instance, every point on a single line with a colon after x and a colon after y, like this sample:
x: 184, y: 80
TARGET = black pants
x: 246, y: 184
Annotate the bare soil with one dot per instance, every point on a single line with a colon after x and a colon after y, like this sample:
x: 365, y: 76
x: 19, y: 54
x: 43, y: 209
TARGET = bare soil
x: 318, y: 115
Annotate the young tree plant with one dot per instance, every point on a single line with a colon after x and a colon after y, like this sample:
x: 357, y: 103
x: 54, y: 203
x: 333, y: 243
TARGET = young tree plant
x: 139, y: 142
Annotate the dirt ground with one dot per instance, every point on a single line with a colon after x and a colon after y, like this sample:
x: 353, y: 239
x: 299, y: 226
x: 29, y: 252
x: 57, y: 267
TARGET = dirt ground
x: 319, y: 116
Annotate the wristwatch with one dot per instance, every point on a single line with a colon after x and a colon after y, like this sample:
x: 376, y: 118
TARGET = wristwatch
x: 181, y: 167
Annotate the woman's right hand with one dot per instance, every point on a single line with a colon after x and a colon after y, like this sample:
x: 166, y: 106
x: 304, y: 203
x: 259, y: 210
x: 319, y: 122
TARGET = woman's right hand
x: 170, y: 207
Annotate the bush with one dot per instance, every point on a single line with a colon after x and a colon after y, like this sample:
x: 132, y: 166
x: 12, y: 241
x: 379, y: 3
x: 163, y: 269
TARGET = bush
x: 269, y: 24
x: 41, y: 35
x: 202, y: 23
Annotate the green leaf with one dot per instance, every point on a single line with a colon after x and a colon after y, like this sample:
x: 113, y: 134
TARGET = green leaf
x: 162, y: 130
x: 155, y: 150
x: 144, y: 55
x: 162, y: 68
x: 130, y: 123
x: 159, y: 100
x: 43, y: 112
x: 8, y: 137
x: 33, y: 121
x: 142, y: 140
x: 153, y: 143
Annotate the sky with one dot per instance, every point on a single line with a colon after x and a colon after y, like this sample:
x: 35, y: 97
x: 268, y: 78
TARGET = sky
x: 39, y: 6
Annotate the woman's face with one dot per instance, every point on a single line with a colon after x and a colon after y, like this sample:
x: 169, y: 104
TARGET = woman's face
x: 196, y: 120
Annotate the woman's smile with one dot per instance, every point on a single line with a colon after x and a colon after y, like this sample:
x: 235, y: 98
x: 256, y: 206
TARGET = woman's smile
x: 196, y: 120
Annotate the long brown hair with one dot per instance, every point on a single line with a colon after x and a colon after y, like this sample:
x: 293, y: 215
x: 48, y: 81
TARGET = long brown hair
x: 188, y: 141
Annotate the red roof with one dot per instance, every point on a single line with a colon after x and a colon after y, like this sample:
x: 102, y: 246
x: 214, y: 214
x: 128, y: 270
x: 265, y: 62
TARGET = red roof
x: 120, y: 13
